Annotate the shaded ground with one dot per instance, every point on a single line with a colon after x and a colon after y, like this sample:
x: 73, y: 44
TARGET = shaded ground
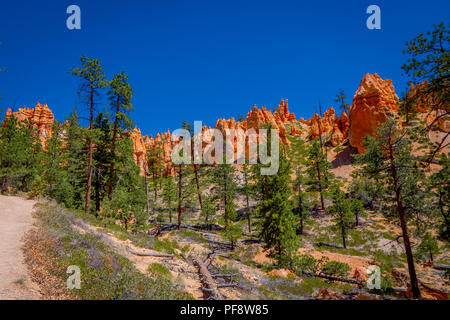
x: 15, y: 220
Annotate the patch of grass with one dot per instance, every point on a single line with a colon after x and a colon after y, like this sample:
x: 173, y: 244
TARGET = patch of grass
x: 191, y: 235
x: 165, y: 245
x: 158, y: 270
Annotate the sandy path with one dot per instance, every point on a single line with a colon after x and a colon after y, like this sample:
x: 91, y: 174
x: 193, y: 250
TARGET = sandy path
x: 15, y: 220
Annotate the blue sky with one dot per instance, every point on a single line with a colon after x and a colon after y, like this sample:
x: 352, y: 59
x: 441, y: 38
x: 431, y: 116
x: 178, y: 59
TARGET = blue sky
x: 201, y: 60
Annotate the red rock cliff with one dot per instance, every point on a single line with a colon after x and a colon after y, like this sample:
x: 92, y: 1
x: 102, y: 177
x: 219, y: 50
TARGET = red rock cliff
x: 41, y: 117
x: 372, y: 102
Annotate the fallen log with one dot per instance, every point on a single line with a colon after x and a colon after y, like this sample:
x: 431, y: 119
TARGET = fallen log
x: 150, y: 254
x: 439, y: 266
x: 320, y: 244
x: 318, y: 275
x: 221, y: 244
x: 202, y: 228
x: 210, y: 289
x: 224, y: 275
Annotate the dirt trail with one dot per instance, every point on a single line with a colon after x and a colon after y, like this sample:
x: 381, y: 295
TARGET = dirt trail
x: 15, y: 221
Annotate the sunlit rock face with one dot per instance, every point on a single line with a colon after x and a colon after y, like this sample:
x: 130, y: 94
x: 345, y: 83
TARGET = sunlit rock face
x: 372, y: 103
x: 41, y: 117
x: 374, y: 100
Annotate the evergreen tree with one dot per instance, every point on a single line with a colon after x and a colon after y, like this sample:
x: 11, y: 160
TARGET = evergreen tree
x: 340, y: 98
x: 169, y: 194
x: 318, y: 174
x: 54, y: 167
x: 427, y: 247
x: 429, y: 64
x: 247, y: 190
x: 93, y: 80
x: 154, y: 166
x: 208, y: 210
x: 341, y: 210
x: 357, y: 208
x: 297, y: 153
x: 75, y: 149
x: 440, y: 189
x: 20, y: 155
x: 225, y: 190
x: 119, y: 95
x: 408, y: 106
x: 278, y: 224
x: 364, y: 189
x: 102, y: 157
x: 128, y: 199
x: 388, y: 158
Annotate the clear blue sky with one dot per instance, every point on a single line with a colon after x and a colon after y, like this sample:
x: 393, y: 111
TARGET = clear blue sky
x: 200, y: 60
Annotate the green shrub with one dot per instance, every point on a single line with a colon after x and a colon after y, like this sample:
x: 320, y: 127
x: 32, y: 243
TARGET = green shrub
x: 157, y: 269
x: 336, y: 268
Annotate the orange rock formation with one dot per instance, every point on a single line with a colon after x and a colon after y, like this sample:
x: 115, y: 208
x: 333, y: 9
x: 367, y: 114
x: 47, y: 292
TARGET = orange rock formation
x: 41, y: 117
x: 372, y: 103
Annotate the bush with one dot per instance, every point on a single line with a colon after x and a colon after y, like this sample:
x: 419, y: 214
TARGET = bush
x: 38, y: 187
x: 336, y: 268
x: 159, y: 270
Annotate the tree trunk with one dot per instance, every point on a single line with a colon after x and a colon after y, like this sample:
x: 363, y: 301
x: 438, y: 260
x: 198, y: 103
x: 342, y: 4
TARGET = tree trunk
x: 179, y: 197
x: 248, y: 215
x: 198, y: 186
x: 89, y: 174
x: 196, y: 177
x: 97, y: 195
x: 300, y: 208
x: 343, y: 236
x: 113, y: 149
x: 401, y: 212
x: 320, y: 186
x: 301, y: 225
x: 155, y: 185
x: 147, y: 203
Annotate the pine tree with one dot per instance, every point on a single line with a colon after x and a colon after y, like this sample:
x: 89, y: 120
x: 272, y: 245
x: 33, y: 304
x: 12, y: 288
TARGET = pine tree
x: 185, y: 183
x: 75, y: 149
x: 428, y: 247
x: 169, y: 194
x: 102, y: 157
x: 119, y: 95
x: 93, y: 80
x: 357, y: 208
x: 340, y: 98
x: 154, y: 166
x: 278, y: 224
x: 54, y: 165
x: 208, y: 210
x: 247, y: 190
x: 440, y: 189
x: 297, y: 153
x: 341, y: 210
x: 20, y: 155
x: 224, y: 193
x: 388, y: 158
x: 318, y: 174
x: 128, y: 199
x: 429, y: 65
